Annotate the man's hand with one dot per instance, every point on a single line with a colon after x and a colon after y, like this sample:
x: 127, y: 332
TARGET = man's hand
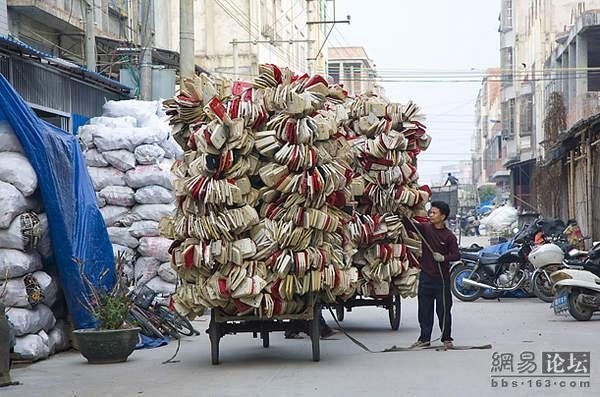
x: 438, y: 257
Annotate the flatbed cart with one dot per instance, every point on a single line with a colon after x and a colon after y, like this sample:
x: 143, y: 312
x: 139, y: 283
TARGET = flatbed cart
x: 307, y: 321
x: 392, y: 303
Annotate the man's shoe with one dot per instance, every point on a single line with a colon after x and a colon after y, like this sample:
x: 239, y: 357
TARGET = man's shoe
x: 420, y: 343
x: 448, y: 345
x: 327, y: 332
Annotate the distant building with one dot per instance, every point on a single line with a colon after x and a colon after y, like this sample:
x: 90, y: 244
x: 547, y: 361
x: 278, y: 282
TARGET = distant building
x: 352, y: 67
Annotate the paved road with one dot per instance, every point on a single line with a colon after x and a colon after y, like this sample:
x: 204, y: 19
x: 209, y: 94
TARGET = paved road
x: 511, y: 326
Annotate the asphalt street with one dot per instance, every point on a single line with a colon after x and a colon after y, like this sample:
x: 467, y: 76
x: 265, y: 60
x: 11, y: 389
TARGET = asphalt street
x: 521, y: 331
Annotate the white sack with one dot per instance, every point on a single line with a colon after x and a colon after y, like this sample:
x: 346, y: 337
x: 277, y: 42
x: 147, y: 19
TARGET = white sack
x: 85, y: 134
x: 94, y: 158
x: 128, y: 252
x: 167, y: 273
x: 160, y: 286
x: 118, y: 195
x: 121, y: 236
x: 144, y: 229
x: 16, y: 294
x: 30, y: 321
x: 100, y: 200
x: 147, y: 175
x: 155, y: 247
x: 123, y: 160
x: 154, y: 195
x: 107, y: 139
x: 172, y: 149
x: 501, y: 219
x: 106, y: 176
x: 12, y: 237
x: 13, y: 203
x: 145, y: 269
x: 149, y: 154
x: 139, y: 110
x: 8, y: 140
x: 16, y: 170
x: 114, y: 122
x: 58, y: 338
x: 15, y: 263
x: 149, y: 212
x: 31, y: 348
x: 113, y: 214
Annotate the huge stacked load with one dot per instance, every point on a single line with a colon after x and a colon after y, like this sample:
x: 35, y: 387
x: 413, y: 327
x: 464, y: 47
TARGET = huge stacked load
x: 259, y: 224
x: 388, y: 139
x: 129, y: 152
x: 30, y: 294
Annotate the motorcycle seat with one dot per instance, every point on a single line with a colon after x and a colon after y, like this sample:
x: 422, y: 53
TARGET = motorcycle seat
x: 469, y: 256
x: 489, y: 259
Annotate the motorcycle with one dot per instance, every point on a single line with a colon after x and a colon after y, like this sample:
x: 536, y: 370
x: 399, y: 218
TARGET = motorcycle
x: 577, y: 286
x: 494, y: 273
x: 546, y: 259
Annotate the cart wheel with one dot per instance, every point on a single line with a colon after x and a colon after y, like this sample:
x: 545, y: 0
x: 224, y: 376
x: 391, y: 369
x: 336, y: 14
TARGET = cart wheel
x: 339, y: 312
x: 213, y: 334
x: 265, y: 339
x: 394, y: 311
x: 315, y: 332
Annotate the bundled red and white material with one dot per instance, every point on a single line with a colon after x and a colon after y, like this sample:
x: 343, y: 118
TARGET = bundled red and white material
x: 31, y: 294
x: 129, y: 152
x: 259, y: 223
x: 388, y: 138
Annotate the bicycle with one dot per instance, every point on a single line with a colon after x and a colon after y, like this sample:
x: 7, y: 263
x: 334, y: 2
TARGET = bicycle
x: 157, y: 319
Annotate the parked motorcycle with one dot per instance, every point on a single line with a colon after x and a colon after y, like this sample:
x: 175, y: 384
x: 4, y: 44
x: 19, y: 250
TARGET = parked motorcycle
x: 546, y: 259
x: 495, y: 273
x: 577, y: 286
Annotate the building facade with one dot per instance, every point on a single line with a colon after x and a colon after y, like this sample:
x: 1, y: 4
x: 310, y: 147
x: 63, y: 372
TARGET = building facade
x: 233, y: 37
x: 352, y: 68
x: 530, y: 30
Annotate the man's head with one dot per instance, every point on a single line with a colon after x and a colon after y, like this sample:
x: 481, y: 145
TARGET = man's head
x: 449, y: 174
x: 439, y: 212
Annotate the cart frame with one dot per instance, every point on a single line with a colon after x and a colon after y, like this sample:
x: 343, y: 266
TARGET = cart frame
x: 392, y: 302
x: 307, y: 321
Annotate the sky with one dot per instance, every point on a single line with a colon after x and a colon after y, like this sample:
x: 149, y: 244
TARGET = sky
x: 432, y: 35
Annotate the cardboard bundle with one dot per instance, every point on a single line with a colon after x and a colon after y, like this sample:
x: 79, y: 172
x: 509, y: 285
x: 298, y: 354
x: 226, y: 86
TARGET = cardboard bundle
x: 129, y: 152
x: 31, y: 293
x: 261, y: 192
x: 387, y: 139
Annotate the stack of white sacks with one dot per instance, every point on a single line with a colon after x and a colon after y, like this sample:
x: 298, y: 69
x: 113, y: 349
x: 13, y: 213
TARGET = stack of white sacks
x: 129, y: 152
x: 26, y: 290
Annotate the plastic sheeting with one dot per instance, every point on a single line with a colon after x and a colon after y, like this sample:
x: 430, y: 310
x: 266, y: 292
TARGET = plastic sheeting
x: 77, y: 229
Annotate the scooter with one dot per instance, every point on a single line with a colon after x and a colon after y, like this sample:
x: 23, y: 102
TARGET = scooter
x: 546, y: 259
x: 578, y: 285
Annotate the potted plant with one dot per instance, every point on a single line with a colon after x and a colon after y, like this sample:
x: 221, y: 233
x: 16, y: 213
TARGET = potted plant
x: 114, y: 338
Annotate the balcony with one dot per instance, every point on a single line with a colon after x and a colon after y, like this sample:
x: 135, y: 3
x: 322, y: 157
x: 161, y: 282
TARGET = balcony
x: 52, y: 13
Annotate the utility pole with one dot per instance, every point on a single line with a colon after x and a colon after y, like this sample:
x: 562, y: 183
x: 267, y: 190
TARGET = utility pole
x: 235, y: 43
x: 187, y: 52
x: 90, y: 36
x: 147, y: 42
x: 311, y: 36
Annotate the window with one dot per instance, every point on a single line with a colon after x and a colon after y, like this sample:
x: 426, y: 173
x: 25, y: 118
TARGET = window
x: 506, y: 63
x: 507, y: 14
x: 508, y: 117
x: 526, y: 116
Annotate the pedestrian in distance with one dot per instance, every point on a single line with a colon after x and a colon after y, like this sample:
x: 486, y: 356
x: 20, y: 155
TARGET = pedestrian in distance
x: 452, y: 180
x: 439, y: 248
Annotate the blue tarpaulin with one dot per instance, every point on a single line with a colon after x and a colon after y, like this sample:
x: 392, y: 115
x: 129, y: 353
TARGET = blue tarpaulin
x: 77, y: 229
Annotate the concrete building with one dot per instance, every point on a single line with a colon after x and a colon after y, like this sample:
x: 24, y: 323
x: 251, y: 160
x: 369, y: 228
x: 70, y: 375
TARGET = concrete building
x: 489, y: 147
x: 234, y: 36
x: 572, y: 157
x: 528, y: 33
x: 351, y: 67
x: 3, y: 18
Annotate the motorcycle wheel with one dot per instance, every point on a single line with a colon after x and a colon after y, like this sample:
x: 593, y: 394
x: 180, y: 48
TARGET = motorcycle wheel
x: 462, y: 292
x: 578, y: 312
x: 542, y: 287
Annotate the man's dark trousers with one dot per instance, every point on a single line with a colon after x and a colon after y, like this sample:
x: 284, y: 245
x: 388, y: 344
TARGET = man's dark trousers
x: 431, y: 292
